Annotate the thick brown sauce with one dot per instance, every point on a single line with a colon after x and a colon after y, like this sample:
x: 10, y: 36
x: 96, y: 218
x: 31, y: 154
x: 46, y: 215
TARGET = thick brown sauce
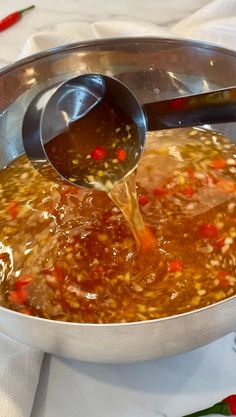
x: 68, y: 253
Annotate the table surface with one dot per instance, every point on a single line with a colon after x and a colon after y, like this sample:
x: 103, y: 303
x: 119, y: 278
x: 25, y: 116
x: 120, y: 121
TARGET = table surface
x: 166, y: 387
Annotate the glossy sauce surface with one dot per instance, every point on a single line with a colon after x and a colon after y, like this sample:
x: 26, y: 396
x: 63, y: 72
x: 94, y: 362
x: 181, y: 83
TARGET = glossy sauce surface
x: 68, y: 253
x: 97, y: 150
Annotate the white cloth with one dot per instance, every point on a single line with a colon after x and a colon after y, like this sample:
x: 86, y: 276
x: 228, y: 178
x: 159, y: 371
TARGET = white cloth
x: 19, y: 374
x: 216, y: 22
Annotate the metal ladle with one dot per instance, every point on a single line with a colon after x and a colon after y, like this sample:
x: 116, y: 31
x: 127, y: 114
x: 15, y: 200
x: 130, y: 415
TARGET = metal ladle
x: 52, y: 111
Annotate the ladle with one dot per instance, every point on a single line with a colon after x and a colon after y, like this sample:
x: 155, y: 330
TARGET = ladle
x: 54, y: 111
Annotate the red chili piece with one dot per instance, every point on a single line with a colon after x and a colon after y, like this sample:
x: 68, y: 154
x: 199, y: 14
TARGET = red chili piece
x: 175, y: 265
x: 190, y: 172
x: 12, y: 18
x: 220, y: 242
x: 208, y: 231
x: 59, y: 273
x: 23, y: 281
x: 160, y: 191
x: 13, y: 209
x: 219, y: 163
x: 143, y: 200
x: 224, y: 283
x: 98, y: 153
x: 121, y: 154
x: 19, y: 296
x: 188, y: 191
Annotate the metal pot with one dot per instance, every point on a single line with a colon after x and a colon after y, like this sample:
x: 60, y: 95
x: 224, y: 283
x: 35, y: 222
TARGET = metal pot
x: 153, y: 68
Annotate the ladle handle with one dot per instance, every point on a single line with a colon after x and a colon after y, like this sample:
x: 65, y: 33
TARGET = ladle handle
x: 207, y: 108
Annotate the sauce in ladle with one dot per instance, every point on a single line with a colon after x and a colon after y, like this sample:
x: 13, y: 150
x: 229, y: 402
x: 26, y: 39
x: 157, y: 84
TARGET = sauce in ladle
x: 97, y: 150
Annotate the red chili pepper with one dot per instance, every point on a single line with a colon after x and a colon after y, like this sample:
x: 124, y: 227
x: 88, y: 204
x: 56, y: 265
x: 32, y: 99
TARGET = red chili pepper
x: 23, y: 281
x: 208, y: 231
x: 188, y: 191
x: 19, y: 296
x: 175, y: 265
x: 224, y: 283
x: 160, y: 191
x: 218, y: 163
x: 143, y: 200
x: 121, y: 154
x: 58, y: 272
x: 13, y: 209
x: 220, y: 242
x: 231, y: 401
x: 12, y: 18
x: 98, y: 153
x: 191, y: 172
x: 226, y: 407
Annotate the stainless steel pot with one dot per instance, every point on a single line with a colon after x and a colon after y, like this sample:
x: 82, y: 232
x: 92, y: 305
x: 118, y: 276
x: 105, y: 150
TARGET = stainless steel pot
x: 153, y: 68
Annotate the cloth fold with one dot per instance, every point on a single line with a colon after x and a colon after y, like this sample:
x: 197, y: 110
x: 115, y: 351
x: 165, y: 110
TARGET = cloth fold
x: 216, y: 23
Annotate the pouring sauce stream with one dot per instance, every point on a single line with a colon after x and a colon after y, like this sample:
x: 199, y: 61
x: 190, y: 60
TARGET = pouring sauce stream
x: 98, y: 150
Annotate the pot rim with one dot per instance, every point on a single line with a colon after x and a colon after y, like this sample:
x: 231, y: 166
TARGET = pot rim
x: 110, y: 41
x: 111, y: 325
